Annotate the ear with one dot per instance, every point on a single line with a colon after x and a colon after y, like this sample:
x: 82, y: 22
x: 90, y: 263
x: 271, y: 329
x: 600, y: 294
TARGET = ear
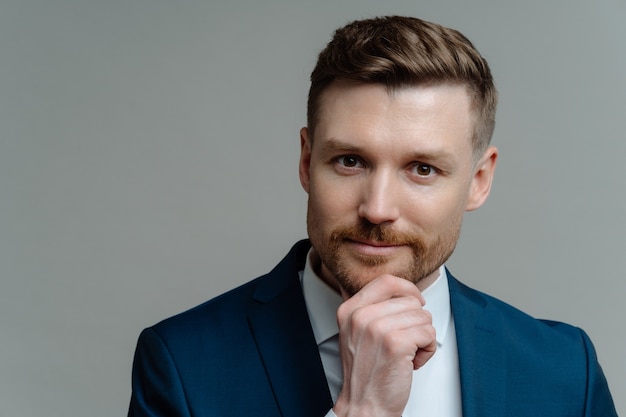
x: 305, y: 158
x: 482, y: 180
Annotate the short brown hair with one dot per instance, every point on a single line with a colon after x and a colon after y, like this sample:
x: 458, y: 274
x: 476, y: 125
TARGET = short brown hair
x: 401, y: 51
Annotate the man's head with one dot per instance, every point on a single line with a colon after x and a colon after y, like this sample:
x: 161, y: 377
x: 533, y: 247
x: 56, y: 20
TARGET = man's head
x: 396, y: 52
x: 402, y: 113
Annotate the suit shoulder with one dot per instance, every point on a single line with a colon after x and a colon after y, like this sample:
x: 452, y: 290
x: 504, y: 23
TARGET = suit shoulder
x: 552, y: 361
x: 519, y: 324
x: 224, y: 317
x: 229, y: 306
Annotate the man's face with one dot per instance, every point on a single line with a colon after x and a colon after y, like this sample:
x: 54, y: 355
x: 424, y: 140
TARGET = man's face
x: 389, y: 176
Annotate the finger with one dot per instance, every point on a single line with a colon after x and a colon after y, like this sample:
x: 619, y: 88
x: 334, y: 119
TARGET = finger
x: 361, y: 315
x: 417, y: 345
x: 424, y: 353
x: 384, y: 288
x: 415, y: 326
x: 391, y: 315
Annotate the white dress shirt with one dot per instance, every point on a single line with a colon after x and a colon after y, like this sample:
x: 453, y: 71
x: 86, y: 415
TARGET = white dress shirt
x: 435, y: 390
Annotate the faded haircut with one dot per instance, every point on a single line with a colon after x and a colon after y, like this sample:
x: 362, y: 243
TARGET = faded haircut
x: 398, y: 52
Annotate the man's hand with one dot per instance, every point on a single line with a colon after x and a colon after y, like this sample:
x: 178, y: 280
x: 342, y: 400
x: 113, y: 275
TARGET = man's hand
x: 384, y: 334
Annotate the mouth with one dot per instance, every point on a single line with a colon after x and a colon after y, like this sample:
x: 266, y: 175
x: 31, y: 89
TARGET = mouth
x: 373, y: 247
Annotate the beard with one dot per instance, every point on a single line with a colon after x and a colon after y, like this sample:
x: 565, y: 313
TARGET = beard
x: 426, y: 257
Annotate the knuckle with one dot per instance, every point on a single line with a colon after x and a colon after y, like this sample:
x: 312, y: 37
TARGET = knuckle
x: 377, y: 328
x: 426, y: 315
x: 394, y: 344
x: 428, y: 335
x: 343, y: 313
x: 419, y: 317
x: 358, y: 317
x: 363, y: 321
x: 432, y: 332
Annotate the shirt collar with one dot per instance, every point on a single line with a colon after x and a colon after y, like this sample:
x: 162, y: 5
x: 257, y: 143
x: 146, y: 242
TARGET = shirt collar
x: 322, y: 303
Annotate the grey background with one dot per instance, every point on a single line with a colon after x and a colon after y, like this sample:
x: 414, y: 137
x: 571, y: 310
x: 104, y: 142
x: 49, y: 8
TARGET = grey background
x: 148, y: 161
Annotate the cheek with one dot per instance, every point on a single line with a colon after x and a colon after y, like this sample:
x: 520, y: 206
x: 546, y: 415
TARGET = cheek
x: 331, y: 200
x: 432, y: 213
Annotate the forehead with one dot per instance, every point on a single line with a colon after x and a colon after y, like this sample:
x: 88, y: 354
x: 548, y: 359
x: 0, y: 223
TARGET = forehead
x: 415, y: 116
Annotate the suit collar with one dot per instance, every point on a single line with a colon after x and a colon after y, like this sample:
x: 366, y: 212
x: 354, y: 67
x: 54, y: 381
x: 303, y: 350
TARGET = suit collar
x: 482, y: 352
x: 281, y: 277
x: 279, y: 322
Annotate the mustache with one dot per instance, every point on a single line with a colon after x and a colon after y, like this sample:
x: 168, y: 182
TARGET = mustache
x: 377, y: 233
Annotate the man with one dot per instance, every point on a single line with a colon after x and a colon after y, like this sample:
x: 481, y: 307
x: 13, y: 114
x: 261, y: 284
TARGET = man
x: 363, y: 319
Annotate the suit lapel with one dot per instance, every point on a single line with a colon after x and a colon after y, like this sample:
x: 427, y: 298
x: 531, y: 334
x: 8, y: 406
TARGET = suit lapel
x: 482, y: 352
x: 282, y: 331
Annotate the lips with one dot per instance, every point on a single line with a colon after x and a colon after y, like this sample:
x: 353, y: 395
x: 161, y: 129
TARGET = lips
x: 373, y: 248
x: 375, y: 243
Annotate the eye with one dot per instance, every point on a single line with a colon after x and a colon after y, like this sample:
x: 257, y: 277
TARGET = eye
x: 423, y: 170
x: 349, y: 161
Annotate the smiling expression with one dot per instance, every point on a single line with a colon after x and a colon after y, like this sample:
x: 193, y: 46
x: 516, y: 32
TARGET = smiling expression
x: 389, y: 176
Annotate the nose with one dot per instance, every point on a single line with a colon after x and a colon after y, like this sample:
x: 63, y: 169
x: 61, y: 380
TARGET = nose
x: 379, y: 198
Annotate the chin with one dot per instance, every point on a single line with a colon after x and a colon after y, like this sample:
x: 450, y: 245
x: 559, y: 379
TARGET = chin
x: 353, y: 277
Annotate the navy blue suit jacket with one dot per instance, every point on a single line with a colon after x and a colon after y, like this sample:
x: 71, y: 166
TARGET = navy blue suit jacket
x: 251, y: 352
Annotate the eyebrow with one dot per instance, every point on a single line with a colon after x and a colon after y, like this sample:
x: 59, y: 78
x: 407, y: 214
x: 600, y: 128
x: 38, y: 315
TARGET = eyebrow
x: 333, y: 144
x: 434, y: 156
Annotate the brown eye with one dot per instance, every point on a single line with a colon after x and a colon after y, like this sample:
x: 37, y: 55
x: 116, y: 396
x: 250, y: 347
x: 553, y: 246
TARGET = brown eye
x: 348, y: 161
x: 423, y: 170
